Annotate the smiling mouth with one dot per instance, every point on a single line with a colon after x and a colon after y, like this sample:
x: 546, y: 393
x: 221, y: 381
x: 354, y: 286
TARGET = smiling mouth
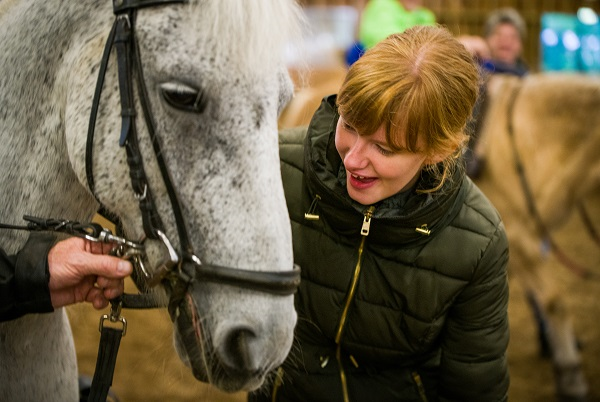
x: 362, y: 178
x: 360, y: 182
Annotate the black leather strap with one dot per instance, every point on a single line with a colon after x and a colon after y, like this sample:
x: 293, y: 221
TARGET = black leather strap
x: 280, y: 283
x: 121, y: 6
x: 185, y: 243
x: 139, y: 301
x: 89, y: 170
x: 123, y: 38
x: 110, y: 340
x: 127, y: 62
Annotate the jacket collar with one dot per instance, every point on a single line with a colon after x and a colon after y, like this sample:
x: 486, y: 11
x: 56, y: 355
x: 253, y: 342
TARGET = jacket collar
x: 322, y: 164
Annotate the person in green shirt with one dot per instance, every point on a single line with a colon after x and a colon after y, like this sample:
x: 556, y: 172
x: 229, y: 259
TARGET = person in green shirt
x: 381, y: 18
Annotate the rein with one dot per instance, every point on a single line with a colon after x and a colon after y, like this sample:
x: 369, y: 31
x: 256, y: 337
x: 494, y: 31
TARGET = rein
x: 542, y: 229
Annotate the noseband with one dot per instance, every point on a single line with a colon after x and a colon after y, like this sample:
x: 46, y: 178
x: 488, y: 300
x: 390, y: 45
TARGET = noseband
x: 184, y: 266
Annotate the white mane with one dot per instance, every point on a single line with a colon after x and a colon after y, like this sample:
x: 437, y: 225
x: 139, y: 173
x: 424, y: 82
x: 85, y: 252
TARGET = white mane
x: 258, y: 34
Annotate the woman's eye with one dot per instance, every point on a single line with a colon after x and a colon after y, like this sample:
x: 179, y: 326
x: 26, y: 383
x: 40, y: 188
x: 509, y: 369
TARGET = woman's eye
x: 347, y: 126
x: 385, y: 151
x: 183, y: 97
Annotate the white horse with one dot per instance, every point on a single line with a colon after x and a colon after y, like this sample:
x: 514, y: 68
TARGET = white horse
x: 216, y: 81
x: 548, y: 125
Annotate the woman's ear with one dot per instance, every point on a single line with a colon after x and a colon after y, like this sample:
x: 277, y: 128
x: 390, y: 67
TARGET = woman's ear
x: 435, y: 159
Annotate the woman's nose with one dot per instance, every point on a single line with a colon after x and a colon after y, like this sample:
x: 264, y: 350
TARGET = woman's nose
x: 356, y: 157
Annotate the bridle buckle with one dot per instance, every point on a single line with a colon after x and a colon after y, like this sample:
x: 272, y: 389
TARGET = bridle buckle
x: 164, y: 268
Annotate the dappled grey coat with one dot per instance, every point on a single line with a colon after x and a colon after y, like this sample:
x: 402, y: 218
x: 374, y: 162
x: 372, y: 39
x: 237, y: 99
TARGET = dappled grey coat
x: 428, y: 317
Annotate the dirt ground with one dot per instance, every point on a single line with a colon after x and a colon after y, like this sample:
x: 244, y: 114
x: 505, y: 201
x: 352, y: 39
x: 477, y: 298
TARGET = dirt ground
x: 148, y: 369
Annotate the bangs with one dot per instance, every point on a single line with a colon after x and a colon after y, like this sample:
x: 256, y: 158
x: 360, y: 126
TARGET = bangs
x: 370, y: 101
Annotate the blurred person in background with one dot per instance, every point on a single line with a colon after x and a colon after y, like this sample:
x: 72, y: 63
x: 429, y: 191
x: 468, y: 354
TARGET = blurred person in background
x: 381, y: 18
x: 504, y: 33
x: 499, y: 51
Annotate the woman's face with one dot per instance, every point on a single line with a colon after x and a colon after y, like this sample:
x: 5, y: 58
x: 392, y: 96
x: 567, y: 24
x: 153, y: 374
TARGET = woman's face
x: 375, y: 172
x: 505, y: 43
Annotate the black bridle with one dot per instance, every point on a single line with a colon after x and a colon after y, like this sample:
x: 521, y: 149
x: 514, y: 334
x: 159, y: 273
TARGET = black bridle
x: 181, y: 267
x: 122, y: 38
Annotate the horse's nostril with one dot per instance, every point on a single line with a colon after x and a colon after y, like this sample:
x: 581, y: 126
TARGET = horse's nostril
x: 237, y: 352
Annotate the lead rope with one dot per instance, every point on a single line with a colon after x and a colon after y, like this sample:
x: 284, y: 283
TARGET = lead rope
x: 110, y: 340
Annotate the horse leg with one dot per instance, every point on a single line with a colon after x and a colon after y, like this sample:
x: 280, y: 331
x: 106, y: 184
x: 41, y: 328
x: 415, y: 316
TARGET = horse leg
x: 38, y: 360
x: 557, y: 337
x: 541, y: 321
x: 571, y: 385
x: 555, y: 330
x: 528, y: 262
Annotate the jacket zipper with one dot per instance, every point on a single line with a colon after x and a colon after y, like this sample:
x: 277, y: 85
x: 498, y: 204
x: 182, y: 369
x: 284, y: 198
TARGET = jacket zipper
x: 417, y: 379
x: 366, y: 226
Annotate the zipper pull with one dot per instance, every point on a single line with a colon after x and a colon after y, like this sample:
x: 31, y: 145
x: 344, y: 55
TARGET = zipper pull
x: 366, y: 226
x: 424, y: 230
x: 311, y: 215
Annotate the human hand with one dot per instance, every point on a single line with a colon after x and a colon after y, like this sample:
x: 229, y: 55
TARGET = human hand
x: 476, y: 45
x: 80, y: 271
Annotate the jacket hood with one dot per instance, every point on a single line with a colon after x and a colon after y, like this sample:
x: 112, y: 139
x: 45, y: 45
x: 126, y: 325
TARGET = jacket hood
x: 431, y: 211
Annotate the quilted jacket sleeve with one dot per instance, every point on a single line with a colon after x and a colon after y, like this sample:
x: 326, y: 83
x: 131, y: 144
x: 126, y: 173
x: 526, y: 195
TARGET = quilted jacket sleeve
x: 473, y: 361
x: 24, y: 279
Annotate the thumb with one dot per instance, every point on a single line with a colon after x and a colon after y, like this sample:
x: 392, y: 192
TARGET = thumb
x: 107, y: 266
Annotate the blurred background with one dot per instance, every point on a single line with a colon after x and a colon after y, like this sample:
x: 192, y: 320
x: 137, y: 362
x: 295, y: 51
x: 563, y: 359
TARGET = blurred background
x: 462, y: 17
x: 560, y: 35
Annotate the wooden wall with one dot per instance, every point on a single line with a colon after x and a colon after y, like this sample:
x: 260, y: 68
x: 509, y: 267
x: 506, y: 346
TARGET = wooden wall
x: 468, y: 16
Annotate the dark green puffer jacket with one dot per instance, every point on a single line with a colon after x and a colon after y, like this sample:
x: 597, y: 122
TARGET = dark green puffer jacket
x: 426, y: 318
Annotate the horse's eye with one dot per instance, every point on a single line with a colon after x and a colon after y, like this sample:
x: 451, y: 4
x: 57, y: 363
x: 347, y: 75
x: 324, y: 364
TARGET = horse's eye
x: 183, y: 97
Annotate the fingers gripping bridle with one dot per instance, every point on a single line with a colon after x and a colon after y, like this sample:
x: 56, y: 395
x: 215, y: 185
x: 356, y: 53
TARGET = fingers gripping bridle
x: 181, y: 267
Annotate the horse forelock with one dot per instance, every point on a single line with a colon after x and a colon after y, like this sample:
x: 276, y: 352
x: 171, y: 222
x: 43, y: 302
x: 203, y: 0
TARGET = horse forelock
x: 256, y: 33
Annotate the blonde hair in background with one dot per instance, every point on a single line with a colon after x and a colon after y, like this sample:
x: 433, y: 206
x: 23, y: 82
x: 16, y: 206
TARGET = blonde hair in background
x: 421, y: 86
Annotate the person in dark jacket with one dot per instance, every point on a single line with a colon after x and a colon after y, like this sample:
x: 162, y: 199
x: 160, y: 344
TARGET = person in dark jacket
x: 505, y: 32
x: 499, y: 51
x: 46, y: 274
x: 404, y: 289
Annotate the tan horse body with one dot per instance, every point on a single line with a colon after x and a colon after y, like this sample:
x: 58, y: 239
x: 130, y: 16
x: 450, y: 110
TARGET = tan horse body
x: 551, y: 124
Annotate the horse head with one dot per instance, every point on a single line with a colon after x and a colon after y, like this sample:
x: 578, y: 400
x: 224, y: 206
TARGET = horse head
x: 209, y: 84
